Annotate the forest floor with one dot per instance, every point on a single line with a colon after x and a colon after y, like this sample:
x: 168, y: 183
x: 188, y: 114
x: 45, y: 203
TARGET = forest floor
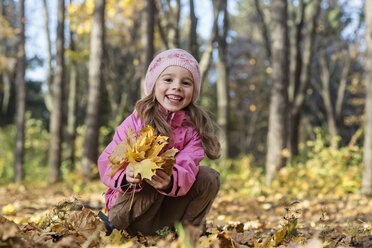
x: 59, y: 217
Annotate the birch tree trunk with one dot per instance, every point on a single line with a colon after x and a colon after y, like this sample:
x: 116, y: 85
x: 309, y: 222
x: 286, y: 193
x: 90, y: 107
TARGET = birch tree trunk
x: 49, y: 79
x: 92, y: 120
x: 222, y: 85
x: 71, y: 106
x: 367, y: 158
x: 301, y: 83
x: 276, y: 138
x: 147, y: 39
x: 20, y: 96
x: 55, y: 148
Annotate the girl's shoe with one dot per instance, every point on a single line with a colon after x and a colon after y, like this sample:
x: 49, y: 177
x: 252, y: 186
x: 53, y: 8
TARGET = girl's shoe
x: 108, y: 225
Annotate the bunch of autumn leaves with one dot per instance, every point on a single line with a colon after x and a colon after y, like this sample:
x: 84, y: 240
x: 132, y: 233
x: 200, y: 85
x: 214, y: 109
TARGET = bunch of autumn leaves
x: 143, y: 153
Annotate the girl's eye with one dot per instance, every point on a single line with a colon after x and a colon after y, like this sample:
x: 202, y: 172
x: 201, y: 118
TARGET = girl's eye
x: 186, y: 83
x: 168, y: 80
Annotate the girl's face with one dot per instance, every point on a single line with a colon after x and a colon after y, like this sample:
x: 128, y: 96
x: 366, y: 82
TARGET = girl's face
x: 174, y: 88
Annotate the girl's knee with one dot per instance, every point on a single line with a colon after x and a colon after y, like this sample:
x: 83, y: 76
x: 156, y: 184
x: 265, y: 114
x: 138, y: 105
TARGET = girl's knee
x: 209, y: 179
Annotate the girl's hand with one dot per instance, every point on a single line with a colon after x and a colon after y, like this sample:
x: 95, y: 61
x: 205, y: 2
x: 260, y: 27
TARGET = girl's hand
x: 160, y: 181
x: 130, y: 176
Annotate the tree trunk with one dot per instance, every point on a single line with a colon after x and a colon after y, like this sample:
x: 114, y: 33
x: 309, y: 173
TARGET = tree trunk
x: 295, y: 53
x: 92, y: 120
x: 56, y: 114
x: 194, y: 48
x: 5, y: 72
x: 49, y: 79
x: 206, y: 57
x: 168, y: 24
x: 263, y: 28
x: 21, y: 97
x: 301, y: 84
x: 279, y: 97
x: 71, y: 107
x: 367, y: 158
x: 147, y: 39
x: 342, y: 87
x: 326, y: 96
x: 295, y: 66
x: 222, y: 85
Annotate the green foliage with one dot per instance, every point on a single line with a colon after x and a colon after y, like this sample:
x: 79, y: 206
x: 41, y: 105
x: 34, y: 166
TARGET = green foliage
x: 363, y: 228
x: 163, y: 232
x: 183, y: 235
x: 7, y: 141
x: 317, y: 171
x: 248, y: 178
x: 321, y: 169
x: 36, y: 151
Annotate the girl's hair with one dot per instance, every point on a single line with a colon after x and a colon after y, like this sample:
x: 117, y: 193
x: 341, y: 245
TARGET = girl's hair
x: 150, y: 112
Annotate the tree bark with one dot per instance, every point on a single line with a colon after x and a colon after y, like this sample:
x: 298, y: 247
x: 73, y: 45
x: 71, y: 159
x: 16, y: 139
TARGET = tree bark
x: 367, y: 158
x: 5, y: 72
x: 147, y: 39
x: 302, y: 83
x: 21, y: 97
x: 263, y: 29
x: 342, y: 87
x: 92, y: 120
x: 49, y: 79
x: 55, y: 149
x: 71, y: 106
x: 222, y: 85
x: 206, y: 57
x: 276, y: 138
x: 295, y: 53
x: 193, y: 41
x: 169, y: 23
x: 326, y: 96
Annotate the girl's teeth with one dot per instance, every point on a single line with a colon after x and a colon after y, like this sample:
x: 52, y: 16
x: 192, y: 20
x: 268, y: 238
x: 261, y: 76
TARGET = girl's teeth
x: 174, y: 98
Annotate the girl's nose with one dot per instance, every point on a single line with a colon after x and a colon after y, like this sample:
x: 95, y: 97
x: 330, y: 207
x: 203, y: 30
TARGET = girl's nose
x: 176, y: 84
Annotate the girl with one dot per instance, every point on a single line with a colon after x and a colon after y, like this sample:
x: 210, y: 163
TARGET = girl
x: 172, y: 87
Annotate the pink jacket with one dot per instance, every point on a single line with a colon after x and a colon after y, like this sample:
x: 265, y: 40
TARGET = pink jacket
x: 185, y: 138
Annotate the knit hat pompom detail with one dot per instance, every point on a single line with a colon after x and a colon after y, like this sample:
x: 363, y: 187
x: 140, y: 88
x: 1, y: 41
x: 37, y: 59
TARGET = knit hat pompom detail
x: 173, y: 57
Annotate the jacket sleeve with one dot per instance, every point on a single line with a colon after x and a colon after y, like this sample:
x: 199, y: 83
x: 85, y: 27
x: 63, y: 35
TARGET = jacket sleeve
x: 115, y: 181
x: 187, y: 165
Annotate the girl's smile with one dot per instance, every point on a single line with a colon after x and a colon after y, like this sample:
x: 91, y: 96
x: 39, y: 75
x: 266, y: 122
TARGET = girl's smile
x: 174, y: 88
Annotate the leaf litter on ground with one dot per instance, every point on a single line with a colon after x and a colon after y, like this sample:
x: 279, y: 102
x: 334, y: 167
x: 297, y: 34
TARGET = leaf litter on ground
x: 276, y: 217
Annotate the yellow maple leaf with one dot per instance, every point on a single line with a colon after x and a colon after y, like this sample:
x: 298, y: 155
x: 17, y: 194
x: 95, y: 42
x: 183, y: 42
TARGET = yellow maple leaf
x: 146, y: 168
x: 136, y: 150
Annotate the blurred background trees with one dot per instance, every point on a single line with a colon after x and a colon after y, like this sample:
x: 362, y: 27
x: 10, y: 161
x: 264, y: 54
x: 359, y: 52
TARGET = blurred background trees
x: 275, y: 78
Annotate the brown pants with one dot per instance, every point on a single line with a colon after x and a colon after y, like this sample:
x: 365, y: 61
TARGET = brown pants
x: 151, y: 211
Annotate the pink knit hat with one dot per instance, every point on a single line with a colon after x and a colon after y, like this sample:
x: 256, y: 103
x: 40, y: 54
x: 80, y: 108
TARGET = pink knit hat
x: 173, y: 57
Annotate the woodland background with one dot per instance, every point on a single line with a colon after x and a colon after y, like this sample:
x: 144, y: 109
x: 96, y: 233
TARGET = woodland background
x: 289, y: 84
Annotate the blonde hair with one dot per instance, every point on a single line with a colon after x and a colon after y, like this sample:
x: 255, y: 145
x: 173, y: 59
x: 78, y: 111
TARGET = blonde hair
x: 148, y: 109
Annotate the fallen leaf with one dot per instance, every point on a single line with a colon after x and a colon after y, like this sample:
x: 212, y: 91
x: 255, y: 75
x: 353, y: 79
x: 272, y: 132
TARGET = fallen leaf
x: 8, y: 229
x: 84, y: 222
x: 225, y: 240
x: 146, y: 168
x: 8, y: 209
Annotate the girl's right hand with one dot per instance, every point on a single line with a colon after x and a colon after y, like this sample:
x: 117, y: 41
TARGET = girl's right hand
x: 130, y: 176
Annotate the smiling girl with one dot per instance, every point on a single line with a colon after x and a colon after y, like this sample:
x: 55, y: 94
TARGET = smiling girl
x: 172, y: 87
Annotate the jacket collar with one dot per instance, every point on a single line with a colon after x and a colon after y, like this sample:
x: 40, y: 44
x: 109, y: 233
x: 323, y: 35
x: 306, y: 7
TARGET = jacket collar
x: 174, y: 119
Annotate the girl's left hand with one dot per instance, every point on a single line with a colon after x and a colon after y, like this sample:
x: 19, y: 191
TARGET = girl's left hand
x: 160, y: 181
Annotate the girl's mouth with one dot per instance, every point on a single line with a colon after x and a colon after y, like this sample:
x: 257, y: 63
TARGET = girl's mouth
x: 174, y: 98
